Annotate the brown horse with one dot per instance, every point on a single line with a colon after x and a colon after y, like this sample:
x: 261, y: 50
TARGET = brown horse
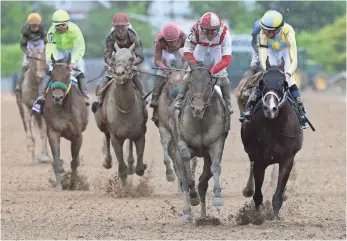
x: 123, y: 115
x: 26, y: 98
x: 66, y: 116
x: 200, y: 131
x: 169, y: 92
x: 273, y: 135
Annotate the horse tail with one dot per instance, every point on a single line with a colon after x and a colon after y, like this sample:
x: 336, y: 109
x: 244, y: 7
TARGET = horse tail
x: 21, y: 110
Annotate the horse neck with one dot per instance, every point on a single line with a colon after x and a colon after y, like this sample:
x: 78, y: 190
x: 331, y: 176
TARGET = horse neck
x: 33, y: 82
x: 124, y: 95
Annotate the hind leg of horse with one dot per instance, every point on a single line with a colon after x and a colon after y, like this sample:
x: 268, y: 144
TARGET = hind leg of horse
x: 285, y: 168
x: 185, y: 156
x: 203, y: 183
x: 165, y: 138
x: 43, y: 134
x: 118, y: 149
x: 274, y: 175
x: 54, y: 142
x: 75, y: 154
x: 30, y: 136
x: 140, y: 148
x: 194, y: 163
x: 216, y: 152
x: 131, y: 159
x: 258, y: 173
x: 106, y: 149
x: 248, y: 191
x: 176, y: 167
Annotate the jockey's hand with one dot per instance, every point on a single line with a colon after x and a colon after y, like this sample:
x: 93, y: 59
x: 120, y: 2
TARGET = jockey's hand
x: 72, y: 66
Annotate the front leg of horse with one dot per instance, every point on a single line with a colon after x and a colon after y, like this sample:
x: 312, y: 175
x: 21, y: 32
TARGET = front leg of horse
x: 118, y: 149
x: 29, y: 136
x: 131, y: 159
x: 107, y: 152
x: 216, y: 153
x: 165, y: 138
x: 75, y: 151
x: 43, y: 134
x: 248, y: 191
x: 140, y: 148
x: 285, y: 168
x: 203, y: 183
x: 258, y: 173
x: 185, y: 156
x: 54, y: 142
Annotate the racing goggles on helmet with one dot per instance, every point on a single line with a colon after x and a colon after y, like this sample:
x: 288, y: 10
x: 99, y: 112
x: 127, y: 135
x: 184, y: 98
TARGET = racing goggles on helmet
x: 60, y: 25
x: 209, y: 31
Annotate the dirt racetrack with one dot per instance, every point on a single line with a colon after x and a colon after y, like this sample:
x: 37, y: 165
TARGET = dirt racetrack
x: 33, y: 209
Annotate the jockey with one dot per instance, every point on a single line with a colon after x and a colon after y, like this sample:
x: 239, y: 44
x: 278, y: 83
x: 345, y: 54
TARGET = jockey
x: 277, y: 41
x: 32, y: 34
x: 209, y: 33
x: 255, y: 54
x: 64, y: 38
x: 168, y: 42
x: 125, y: 37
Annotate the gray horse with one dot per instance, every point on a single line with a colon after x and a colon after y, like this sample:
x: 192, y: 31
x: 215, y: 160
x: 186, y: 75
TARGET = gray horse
x: 200, y: 131
x: 26, y: 98
x: 123, y: 115
x: 169, y: 92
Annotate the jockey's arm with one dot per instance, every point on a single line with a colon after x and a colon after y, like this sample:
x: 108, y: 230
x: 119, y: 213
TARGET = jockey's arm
x: 50, y: 46
x: 158, y: 55
x: 254, y: 42
x: 108, y: 48
x: 79, y: 46
x: 292, y: 52
x: 189, y: 47
x: 138, y: 51
x: 262, y: 50
x: 23, y: 40
x: 226, y: 55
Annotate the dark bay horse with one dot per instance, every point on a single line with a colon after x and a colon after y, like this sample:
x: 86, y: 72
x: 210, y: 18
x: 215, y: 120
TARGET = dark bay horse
x: 273, y: 135
x: 200, y: 131
x: 66, y: 116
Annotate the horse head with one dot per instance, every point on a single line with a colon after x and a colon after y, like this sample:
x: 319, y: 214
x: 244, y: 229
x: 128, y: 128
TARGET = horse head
x: 201, y: 85
x: 273, y: 86
x: 37, y: 61
x: 175, y: 77
x: 122, y: 63
x: 61, y: 82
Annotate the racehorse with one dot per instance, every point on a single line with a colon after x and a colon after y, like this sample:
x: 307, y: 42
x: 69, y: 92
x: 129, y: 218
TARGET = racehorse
x: 273, y: 135
x: 26, y: 98
x: 200, y: 131
x: 123, y: 115
x: 66, y: 116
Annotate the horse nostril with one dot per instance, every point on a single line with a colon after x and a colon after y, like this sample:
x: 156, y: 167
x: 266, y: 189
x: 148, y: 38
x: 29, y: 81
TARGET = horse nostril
x: 274, y: 109
x: 265, y: 108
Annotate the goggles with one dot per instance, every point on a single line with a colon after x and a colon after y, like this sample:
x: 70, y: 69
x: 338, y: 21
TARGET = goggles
x: 60, y: 25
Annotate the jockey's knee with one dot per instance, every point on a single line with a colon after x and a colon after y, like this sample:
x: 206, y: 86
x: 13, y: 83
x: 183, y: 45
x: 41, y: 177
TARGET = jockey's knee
x: 224, y: 81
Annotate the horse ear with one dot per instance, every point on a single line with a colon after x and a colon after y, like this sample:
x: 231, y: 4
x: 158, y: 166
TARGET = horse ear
x: 282, y: 65
x: 116, y: 46
x: 52, y: 58
x: 132, y: 47
x: 267, y: 63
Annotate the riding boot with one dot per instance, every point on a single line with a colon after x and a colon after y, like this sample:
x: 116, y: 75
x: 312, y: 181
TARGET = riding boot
x: 180, y: 97
x: 155, y: 96
x: 40, y: 101
x: 83, y: 87
x: 255, y: 97
x: 100, y: 96
x: 254, y: 70
x: 20, y: 80
x: 226, y: 96
x: 294, y: 91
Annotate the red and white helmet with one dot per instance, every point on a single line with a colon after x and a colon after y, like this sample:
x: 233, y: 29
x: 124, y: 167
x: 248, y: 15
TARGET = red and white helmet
x: 121, y: 19
x: 210, y: 21
x: 171, y: 32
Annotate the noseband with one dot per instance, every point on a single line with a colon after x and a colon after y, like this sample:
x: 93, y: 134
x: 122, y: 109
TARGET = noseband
x: 128, y: 75
x: 273, y: 93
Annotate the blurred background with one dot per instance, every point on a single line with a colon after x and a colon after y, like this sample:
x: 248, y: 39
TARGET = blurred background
x: 320, y: 28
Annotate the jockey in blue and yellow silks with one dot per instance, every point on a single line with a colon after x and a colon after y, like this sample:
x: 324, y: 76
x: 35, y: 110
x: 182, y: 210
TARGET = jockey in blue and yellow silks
x: 277, y: 41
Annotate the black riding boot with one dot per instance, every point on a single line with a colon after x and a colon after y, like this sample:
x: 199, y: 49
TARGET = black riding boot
x: 100, y: 96
x: 83, y: 87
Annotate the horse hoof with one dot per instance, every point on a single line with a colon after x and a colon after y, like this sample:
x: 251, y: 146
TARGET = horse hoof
x: 44, y: 159
x: 217, y: 202
x: 131, y: 170
x: 247, y: 192
x: 107, y: 165
x: 58, y: 188
x: 170, y: 177
x: 187, y: 218
x: 195, y: 201
x: 140, y: 172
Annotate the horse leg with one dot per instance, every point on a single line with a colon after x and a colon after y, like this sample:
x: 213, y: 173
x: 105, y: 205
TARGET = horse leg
x: 118, y: 149
x: 194, y: 163
x: 248, y: 191
x: 54, y: 142
x: 285, y: 168
x: 75, y: 151
x: 43, y: 135
x: 258, y: 173
x: 165, y: 138
x: 273, y: 175
x: 185, y: 155
x: 140, y: 148
x: 203, y: 183
x: 107, y: 152
x: 216, y: 152
x: 175, y: 166
x: 187, y: 215
x: 131, y: 159
x: 30, y: 136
